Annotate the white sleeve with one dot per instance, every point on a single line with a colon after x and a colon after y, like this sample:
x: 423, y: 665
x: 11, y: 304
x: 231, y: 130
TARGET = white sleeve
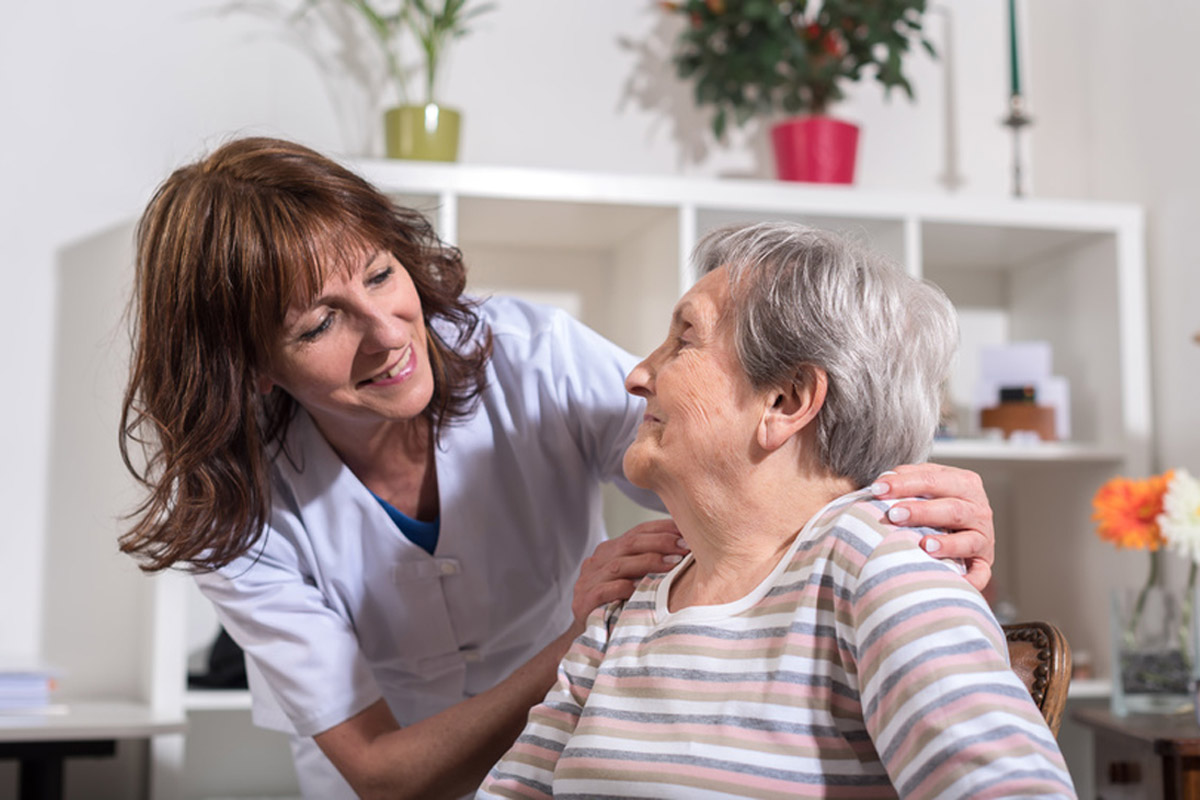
x: 306, y: 652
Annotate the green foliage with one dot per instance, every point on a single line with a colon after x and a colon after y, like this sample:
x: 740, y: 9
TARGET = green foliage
x: 433, y: 24
x: 752, y: 58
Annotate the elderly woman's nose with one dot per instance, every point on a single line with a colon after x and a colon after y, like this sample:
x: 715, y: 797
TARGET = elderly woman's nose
x: 639, y: 378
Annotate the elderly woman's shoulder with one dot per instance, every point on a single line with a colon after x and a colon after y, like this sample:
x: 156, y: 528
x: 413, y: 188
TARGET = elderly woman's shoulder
x: 858, y: 531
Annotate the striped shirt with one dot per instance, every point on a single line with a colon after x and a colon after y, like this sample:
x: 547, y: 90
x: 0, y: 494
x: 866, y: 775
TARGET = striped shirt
x: 860, y: 667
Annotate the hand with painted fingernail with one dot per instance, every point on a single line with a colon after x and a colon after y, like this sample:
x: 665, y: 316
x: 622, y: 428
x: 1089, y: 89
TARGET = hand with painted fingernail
x: 955, y: 503
x: 614, y: 569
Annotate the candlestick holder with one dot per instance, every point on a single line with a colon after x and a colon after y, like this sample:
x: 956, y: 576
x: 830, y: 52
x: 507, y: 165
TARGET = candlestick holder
x: 1016, y: 120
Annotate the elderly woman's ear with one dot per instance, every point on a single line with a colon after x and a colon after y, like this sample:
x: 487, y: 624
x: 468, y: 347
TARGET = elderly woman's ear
x: 791, y: 407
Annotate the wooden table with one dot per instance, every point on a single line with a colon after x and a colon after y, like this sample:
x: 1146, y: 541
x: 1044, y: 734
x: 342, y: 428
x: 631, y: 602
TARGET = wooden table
x: 42, y: 741
x: 1144, y: 755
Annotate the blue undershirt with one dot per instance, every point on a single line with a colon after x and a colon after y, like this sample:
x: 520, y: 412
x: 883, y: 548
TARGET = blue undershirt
x: 423, y: 534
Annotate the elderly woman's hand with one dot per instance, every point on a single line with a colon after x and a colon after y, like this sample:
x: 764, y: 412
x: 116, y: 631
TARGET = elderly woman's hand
x: 613, y: 570
x: 957, y: 504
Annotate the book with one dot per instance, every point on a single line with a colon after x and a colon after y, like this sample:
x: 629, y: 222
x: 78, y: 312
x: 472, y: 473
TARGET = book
x: 25, y: 685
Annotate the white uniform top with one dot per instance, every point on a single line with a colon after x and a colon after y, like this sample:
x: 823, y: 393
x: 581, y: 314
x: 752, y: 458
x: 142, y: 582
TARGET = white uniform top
x: 335, y: 608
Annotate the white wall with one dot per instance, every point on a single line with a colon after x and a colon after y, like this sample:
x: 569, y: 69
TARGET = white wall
x: 101, y: 100
x: 1118, y: 120
x: 98, y: 101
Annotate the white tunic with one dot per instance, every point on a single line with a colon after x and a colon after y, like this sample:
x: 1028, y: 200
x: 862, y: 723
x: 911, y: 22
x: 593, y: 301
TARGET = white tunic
x: 335, y: 608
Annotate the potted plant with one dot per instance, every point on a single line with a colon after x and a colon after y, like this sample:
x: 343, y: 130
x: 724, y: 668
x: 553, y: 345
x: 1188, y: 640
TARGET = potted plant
x: 764, y: 58
x: 418, y: 126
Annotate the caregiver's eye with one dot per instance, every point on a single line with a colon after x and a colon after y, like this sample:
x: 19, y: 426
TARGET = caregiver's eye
x: 381, y: 276
x: 314, y: 333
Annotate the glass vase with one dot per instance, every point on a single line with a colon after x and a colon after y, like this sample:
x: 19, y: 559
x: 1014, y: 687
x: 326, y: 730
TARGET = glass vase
x: 1153, y: 650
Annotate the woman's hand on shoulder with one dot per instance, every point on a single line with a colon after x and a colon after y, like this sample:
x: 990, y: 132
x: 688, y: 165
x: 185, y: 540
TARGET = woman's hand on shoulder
x: 613, y: 570
x: 957, y: 504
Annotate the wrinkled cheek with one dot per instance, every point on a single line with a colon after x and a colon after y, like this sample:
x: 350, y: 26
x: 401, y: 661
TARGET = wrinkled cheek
x: 635, y: 464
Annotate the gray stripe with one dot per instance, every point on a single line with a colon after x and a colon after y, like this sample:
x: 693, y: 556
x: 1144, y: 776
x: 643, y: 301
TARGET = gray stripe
x: 824, y: 581
x: 809, y: 778
x: 538, y: 786
x: 592, y: 643
x: 1046, y: 775
x: 1007, y: 691
x: 924, y: 657
x: 817, y: 630
x: 707, y: 631
x: 709, y: 676
x: 905, y: 614
x: 540, y: 741
x: 909, y: 568
x: 766, y: 677
x: 948, y: 753
x: 906, y: 727
x: 748, y: 723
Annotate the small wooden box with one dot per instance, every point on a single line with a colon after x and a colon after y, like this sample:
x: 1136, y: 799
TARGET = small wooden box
x: 1010, y: 417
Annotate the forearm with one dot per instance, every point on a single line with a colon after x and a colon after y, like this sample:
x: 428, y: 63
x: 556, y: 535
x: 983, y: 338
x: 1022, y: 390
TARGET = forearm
x: 446, y: 755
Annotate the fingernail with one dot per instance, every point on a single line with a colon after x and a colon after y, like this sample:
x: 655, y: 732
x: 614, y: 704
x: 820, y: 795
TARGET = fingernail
x: 680, y: 543
x: 932, y: 545
x: 879, y: 487
x: 673, y: 559
x: 898, y: 513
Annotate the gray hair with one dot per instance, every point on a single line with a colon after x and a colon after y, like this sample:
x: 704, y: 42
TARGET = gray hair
x: 804, y: 298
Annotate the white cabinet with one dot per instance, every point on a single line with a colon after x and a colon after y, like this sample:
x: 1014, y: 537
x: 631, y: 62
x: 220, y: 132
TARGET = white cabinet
x: 1073, y: 274
x: 614, y: 250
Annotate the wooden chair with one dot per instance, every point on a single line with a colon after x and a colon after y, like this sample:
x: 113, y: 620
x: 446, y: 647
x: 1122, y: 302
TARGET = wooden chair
x: 1041, y: 657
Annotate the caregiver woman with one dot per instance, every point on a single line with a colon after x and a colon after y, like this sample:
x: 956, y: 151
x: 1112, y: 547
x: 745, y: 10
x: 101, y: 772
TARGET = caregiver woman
x: 386, y: 490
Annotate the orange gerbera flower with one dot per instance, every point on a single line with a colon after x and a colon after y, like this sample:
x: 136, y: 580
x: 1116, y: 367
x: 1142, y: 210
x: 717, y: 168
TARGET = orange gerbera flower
x: 1126, y: 511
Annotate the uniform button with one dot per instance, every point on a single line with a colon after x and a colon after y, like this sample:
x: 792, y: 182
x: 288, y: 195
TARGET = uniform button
x: 448, y: 568
x: 471, y: 656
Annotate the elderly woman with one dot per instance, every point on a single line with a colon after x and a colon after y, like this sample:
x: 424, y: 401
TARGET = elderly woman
x: 805, y: 647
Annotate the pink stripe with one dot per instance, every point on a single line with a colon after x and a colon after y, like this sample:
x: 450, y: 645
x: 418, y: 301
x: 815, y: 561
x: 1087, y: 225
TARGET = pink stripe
x: 601, y: 767
x: 972, y: 705
x: 671, y: 687
x: 822, y: 644
x: 979, y: 755
x: 512, y: 786
x: 534, y: 750
x: 546, y: 712
x: 933, y: 619
x: 685, y: 732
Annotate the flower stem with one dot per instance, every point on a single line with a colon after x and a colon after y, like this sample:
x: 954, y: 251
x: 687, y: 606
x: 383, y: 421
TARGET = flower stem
x: 1185, y: 624
x: 1140, y: 605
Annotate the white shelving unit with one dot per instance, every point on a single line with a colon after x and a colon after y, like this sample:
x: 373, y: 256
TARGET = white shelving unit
x: 615, y: 250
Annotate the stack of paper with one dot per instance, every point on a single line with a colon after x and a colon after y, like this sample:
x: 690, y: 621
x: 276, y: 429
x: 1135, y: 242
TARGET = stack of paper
x: 25, y: 686
x: 1024, y: 364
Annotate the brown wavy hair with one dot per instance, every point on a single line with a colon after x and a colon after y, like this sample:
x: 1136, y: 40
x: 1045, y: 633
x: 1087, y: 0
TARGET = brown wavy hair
x: 225, y: 246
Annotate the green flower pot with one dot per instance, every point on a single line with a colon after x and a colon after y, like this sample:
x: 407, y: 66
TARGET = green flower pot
x: 427, y: 133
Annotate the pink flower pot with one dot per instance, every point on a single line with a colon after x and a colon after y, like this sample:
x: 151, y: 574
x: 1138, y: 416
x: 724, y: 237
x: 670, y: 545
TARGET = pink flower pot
x: 815, y: 149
